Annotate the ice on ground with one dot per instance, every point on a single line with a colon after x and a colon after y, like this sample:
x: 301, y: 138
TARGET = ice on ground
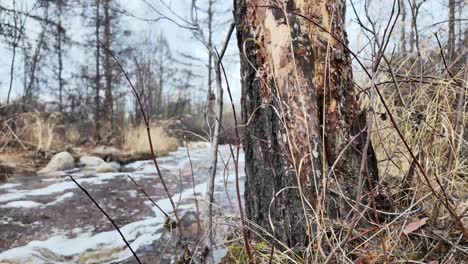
x: 74, y: 245
x: 22, y: 204
x: 58, y: 187
x: 32, y: 204
x: 9, y: 185
x: 139, y: 234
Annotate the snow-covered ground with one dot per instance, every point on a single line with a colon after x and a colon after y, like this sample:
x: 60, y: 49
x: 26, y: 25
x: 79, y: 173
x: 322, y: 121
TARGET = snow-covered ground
x: 51, y: 220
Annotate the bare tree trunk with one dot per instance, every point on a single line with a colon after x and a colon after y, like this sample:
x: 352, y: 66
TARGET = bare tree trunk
x: 451, y: 37
x: 300, y: 112
x: 60, y: 55
x: 12, y: 70
x: 210, y: 60
x: 159, y: 99
x: 413, y: 18
x: 98, y: 75
x: 35, y: 60
x: 107, y: 66
x: 212, y: 113
x: 214, y: 157
x: 403, y: 27
x: 18, y: 32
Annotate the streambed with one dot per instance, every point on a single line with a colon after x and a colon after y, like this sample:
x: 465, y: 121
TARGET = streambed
x: 50, y: 220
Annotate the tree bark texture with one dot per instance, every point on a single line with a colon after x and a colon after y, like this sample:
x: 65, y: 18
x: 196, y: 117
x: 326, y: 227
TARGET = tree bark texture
x: 300, y: 112
x: 107, y: 65
x: 451, y: 39
x: 60, y: 39
x: 97, y: 80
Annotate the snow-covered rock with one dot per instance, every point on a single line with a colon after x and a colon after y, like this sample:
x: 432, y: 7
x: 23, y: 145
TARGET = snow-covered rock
x: 91, y: 161
x: 60, y: 162
x: 198, y: 145
x: 108, y: 167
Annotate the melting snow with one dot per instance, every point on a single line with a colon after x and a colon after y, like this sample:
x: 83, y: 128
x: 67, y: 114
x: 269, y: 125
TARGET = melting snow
x: 59, y: 187
x: 9, y: 185
x: 32, y: 204
x: 61, y: 248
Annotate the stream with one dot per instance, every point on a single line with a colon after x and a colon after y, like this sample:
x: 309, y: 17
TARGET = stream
x: 50, y: 220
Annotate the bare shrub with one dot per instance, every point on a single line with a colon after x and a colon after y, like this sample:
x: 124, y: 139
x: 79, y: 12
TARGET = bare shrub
x: 37, y: 130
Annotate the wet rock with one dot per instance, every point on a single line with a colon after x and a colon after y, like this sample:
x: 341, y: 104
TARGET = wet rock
x: 60, y: 162
x: 108, y: 167
x: 108, y: 153
x: 91, y: 161
x: 3, y: 177
x: 127, y: 169
x: 7, y: 168
x: 115, y: 165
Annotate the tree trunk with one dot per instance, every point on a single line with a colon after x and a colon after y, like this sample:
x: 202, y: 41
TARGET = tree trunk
x: 35, y: 60
x: 17, y: 34
x: 413, y: 18
x: 97, y: 77
x: 60, y: 53
x: 160, y: 51
x: 300, y: 112
x: 451, y: 39
x: 107, y: 65
x: 12, y: 70
x: 403, y: 27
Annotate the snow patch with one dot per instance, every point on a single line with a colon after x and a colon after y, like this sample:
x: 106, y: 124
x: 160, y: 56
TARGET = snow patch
x: 22, y: 204
x: 9, y: 185
x: 59, y: 187
x: 32, y: 204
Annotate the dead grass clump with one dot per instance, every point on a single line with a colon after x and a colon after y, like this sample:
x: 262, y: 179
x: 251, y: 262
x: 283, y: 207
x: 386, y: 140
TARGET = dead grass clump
x: 30, y: 131
x: 410, y: 222
x: 136, y: 140
x: 197, y: 128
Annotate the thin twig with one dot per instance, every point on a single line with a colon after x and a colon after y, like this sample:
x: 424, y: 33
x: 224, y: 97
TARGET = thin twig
x: 236, y: 168
x: 194, y: 192
x: 108, y: 217
x: 148, y: 131
x: 147, y: 196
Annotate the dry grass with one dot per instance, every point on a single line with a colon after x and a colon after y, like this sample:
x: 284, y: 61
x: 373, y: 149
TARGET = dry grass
x: 427, y: 123
x: 40, y: 131
x: 136, y: 140
x: 33, y: 130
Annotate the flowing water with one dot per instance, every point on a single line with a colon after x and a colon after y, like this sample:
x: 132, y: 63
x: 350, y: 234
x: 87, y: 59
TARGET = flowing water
x: 50, y: 220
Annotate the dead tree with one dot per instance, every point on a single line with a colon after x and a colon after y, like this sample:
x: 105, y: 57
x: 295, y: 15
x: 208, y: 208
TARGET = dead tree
x: 107, y: 65
x: 303, y: 140
x: 59, y: 47
x: 451, y: 35
x: 97, y: 80
x: 35, y: 58
x: 16, y: 35
x: 403, y: 27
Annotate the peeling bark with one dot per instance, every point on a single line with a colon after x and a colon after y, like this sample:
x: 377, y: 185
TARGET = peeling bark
x: 299, y: 106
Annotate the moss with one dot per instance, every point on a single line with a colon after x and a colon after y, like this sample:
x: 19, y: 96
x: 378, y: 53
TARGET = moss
x: 237, y: 254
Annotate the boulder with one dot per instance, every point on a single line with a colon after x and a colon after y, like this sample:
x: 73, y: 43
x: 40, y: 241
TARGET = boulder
x: 108, y: 167
x: 108, y: 153
x: 115, y: 165
x: 60, y: 162
x: 198, y: 145
x: 91, y: 161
